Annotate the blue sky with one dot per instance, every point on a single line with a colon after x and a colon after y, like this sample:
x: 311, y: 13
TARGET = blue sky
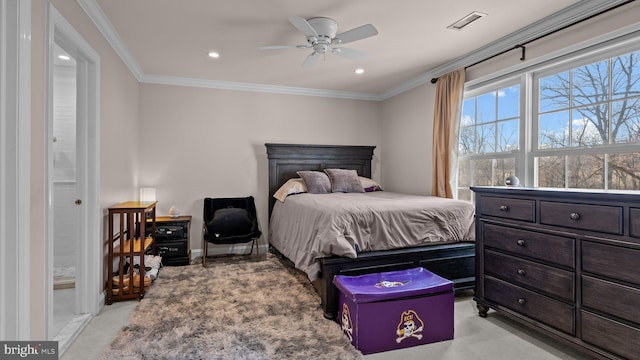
x: 496, y: 111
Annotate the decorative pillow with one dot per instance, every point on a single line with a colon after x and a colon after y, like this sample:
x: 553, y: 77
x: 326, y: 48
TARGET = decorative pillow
x: 369, y: 185
x: 230, y: 222
x: 316, y: 182
x: 292, y: 186
x: 343, y: 180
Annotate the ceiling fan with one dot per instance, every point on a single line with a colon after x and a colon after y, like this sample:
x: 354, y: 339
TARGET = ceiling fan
x: 322, y: 38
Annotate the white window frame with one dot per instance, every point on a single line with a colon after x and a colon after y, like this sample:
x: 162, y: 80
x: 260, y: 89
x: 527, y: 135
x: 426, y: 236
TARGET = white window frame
x: 606, y: 149
x: 527, y: 76
x: 518, y: 155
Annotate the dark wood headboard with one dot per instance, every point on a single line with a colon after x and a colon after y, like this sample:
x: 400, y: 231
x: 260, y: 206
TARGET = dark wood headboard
x: 286, y: 159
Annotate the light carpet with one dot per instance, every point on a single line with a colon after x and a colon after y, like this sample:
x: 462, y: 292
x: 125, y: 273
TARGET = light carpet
x: 234, y: 309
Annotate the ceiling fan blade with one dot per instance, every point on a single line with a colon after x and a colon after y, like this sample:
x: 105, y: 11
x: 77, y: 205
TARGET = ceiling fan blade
x: 311, y: 60
x: 302, y: 25
x: 359, y: 33
x: 350, y: 54
x: 276, y: 47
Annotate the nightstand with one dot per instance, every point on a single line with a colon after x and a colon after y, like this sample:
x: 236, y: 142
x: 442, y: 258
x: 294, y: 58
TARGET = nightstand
x: 172, y: 240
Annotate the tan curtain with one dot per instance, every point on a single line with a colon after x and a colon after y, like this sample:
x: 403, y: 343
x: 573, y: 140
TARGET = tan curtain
x: 449, y: 91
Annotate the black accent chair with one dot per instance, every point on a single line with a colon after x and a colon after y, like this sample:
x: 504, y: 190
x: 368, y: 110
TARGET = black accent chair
x: 229, y: 221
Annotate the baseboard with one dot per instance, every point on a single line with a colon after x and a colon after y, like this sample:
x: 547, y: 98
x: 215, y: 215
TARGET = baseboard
x: 71, y: 331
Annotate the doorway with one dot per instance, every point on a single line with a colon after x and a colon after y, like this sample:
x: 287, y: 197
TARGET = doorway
x: 66, y: 213
x: 73, y: 162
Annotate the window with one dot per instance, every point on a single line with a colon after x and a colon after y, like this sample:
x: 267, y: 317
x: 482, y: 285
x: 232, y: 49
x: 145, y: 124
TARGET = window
x: 583, y: 129
x: 489, y: 138
x: 588, y: 125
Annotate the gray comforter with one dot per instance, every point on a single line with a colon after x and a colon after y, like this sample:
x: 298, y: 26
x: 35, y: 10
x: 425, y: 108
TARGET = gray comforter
x: 307, y: 227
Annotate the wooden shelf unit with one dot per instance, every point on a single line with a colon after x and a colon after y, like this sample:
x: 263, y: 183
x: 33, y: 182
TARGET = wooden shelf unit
x: 126, y: 221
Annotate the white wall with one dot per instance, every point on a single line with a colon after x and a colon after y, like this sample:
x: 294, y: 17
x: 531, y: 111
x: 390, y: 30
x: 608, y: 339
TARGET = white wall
x: 198, y: 142
x: 407, y: 126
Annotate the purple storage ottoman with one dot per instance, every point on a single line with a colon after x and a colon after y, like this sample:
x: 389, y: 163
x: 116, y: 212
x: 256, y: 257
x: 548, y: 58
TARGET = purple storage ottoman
x: 396, y: 309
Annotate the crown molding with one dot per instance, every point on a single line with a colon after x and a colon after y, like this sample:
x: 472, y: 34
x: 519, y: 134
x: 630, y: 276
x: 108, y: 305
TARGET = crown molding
x: 578, y: 11
x: 239, y: 86
x: 95, y: 13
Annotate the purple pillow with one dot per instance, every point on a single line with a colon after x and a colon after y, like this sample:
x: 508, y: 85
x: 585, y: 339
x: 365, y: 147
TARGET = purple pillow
x: 316, y: 182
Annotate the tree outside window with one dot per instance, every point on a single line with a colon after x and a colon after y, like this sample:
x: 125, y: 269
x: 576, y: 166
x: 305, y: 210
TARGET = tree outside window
x: 590, y: 113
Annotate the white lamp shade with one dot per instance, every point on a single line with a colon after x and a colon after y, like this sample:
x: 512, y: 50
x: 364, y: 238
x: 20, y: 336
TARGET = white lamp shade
x: 147, y: 194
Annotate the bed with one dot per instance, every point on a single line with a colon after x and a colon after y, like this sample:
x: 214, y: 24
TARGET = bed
x: 452, y: 260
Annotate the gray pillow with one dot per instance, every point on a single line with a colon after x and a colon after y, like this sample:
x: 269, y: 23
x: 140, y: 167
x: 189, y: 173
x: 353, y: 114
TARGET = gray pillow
x: 343, y: 180
x: 316, y: 182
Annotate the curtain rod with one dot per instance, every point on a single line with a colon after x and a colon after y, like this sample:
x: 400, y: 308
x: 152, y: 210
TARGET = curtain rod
x: 522, y: 45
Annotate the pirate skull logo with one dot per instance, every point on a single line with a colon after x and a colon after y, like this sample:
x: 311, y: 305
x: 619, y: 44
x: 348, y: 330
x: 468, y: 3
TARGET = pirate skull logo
x: 347, y: 326
x: 410, y: 326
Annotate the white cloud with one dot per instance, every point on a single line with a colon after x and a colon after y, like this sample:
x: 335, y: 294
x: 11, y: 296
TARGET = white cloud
x: 466, y: 120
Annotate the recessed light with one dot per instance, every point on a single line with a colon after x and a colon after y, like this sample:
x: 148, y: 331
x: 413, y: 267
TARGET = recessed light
x: 213, y: 54
x: 359, y: 71
x: 64, y: 57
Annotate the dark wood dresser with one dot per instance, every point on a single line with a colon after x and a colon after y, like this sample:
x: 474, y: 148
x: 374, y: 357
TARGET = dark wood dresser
x: 566, y: 263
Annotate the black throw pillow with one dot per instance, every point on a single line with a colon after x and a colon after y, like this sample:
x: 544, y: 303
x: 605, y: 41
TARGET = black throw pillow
x: 230, y: 222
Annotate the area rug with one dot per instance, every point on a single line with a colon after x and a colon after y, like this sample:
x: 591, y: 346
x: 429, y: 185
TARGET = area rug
x: 234, y: 309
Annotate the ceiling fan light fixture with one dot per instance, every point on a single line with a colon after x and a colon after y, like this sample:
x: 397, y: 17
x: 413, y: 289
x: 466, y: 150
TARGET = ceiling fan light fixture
x: 465, y: 21
x: 213, y: 54
x: 322, y: 36
x: 359, y: 71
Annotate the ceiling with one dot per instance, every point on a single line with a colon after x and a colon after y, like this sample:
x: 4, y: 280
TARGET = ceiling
x: 167, y: 41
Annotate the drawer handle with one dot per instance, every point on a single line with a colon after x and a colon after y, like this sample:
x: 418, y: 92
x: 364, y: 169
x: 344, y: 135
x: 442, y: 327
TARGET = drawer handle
x: 520, y: 242
x: 521, y: 272
x: 522, y: 301
x: 504, y: 208
x: 574, y: 216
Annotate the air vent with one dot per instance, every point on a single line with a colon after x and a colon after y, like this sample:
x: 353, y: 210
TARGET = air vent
x: 474, y: 16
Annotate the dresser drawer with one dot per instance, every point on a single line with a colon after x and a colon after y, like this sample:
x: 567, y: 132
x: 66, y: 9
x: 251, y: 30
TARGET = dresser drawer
x: 611, y: 261
x: 606, y: 219
x: 611, y: 298
x: 547, y: 279
x: 531, y: 244
x: 551, y: 312
x: 634, y: 222
x: 611, y: 335
x: 516, y: 209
